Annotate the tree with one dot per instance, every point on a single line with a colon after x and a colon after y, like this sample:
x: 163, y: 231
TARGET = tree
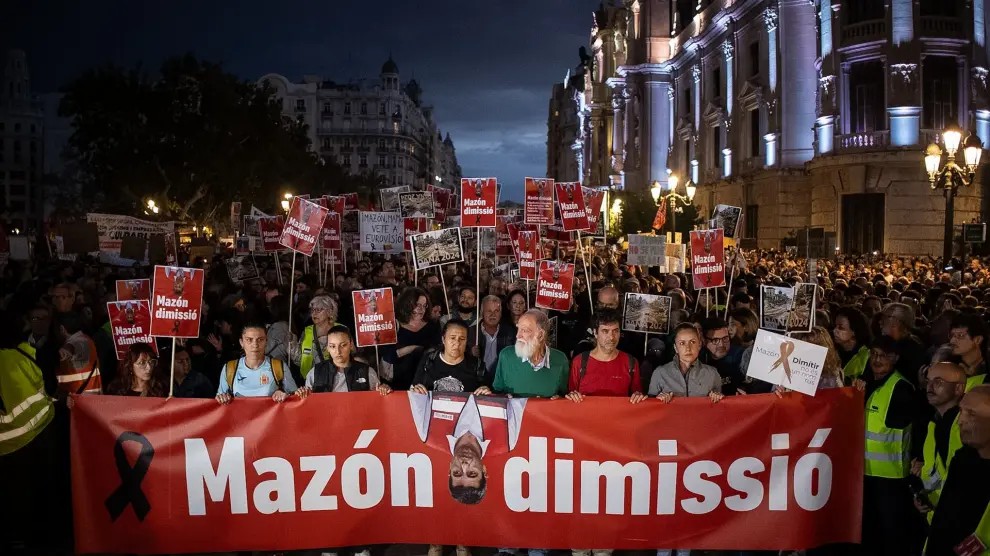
x: 192, y: 138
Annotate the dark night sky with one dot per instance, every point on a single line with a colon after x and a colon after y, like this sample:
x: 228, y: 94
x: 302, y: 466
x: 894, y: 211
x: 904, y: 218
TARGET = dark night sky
x: 487, y: 66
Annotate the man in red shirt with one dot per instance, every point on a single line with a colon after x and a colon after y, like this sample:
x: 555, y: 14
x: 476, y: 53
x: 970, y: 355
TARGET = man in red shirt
x: 605, y: 371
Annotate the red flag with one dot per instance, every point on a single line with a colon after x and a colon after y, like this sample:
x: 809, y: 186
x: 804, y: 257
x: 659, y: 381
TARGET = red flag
x: 661, y: 218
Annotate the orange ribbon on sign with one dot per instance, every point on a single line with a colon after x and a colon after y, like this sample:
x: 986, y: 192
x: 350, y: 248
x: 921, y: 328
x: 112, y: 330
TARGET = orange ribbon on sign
x: 786, y: 349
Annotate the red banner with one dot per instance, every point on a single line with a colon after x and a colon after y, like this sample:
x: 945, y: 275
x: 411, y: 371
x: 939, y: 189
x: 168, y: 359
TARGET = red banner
x: 751, y: 472
x: 539, y: 202
x: 528, y: 254
x: 177, y: 301
x: 130, y: 323
x: 708, y: 258
x: 478, y: 199
x: 593, y: 206
x: 271, y: 232
x: 303, y: 226
x: 661, y: 217
x: 133, y: 289
x: 554, y: 286
x: 374, y: 317
x: 570, y: 201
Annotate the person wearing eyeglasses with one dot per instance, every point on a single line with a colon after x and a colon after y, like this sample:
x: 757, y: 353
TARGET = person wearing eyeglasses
x: 139, y: 374
x: 312, y: 349
x: 890, y: 409
x: 968, y: 337
x: 719, y: 352
x: 945, y: 385
x: 416, y: 334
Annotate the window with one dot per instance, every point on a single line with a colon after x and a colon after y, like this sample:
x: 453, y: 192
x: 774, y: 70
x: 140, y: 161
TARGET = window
x: 939, y: 92
x: 347, y: 142
x: 381, y: 160
x: 363, y: 161
x: 862, y: 222
x: 300, y: 105
x: 381, y: 109
x: 381, y: 143
x: 687, y: 157
x: 716, y: 82
x: 327, y: 108
x: 754, y: 58
x: 858, y: 11
x: 716, y: 157
x: 17, y: 128
x: 752, y: 219
x: 754, y: 133
x: 326, y: 143
x: 347, y: 108
x: 686, y: 100
x: 33, y: 128
x: 364, y: 108
x: 867, y: 106
x: 18, y: 189
x: 938, y: 8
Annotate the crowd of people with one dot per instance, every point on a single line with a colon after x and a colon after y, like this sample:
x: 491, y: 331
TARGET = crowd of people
x: 909, y: 332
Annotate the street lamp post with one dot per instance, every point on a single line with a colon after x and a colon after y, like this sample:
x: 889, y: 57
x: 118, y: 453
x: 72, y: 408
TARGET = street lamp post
x: 673, y: 197
x: 950, y: 177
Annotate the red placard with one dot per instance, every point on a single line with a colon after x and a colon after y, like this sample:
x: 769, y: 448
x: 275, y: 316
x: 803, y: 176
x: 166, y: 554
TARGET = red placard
x: 133, y: 289
x: 593, y: 206
x: 130, y: 323
x: 503, y: 241
x: 708, y: 258
x: 335, y: 203
x: 176, y: 301
x: 554, y: 285
x: 411, y: 227
x: 271, y: 232
x: 350, y: 201
x: 570, y: 201
x: 529, y: 253
x: 334, y: 259
x: 478, y: 199
x: 374, y: 317
x: 182, y: 476
x: 441, y: 202
x: 539, y: 202
x: 331, y: 231
x: 303, y: 226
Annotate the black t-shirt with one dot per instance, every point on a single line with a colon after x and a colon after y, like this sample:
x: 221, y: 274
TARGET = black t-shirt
x: 961, y: 505
x: 437, y: 375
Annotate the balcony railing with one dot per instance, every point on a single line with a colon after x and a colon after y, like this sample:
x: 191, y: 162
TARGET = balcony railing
x: 873, y: 30
x: 865, y: 141
x: 936, y: 26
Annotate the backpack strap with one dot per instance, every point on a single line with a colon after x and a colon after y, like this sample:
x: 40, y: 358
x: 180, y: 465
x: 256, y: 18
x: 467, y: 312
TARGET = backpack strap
x: 278, y: 370
x: 584, y: 365
x: 231, y: 371
x: 632, y: 365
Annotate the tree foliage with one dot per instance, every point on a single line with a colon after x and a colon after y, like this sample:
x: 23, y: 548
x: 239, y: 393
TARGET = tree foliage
x: 192, y: 138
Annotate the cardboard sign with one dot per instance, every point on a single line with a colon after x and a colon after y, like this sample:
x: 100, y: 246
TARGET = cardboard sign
x: 411, y: 227
x: 570, y: 201
x: 643, y: 312
x: 242, y: 246
x: 478, y: 199
x: 503, y: 241
x: 177, y: 301
x: 130, y: 323
x: 437, y: 248
x: 241, y: 268
x: 374, y: 317
x: 128, y: 290
x: 271, y: 233
x: 350, y: 201
x: 787, y: 362
x: 528, y: 253
x: 331, y: 231
x: 390, y: 197
x: 775, y: 304
x: 381, y: 232
x: 416, y: 204
x: 647, y: 250
x: 441, y: 202
x: 538, y: 209
x: 593, y: 199
x: 303, y: 226
x: 801, y: 317
x: 554, y: 286
x: 83, y: 237
x: 708, y: 258
x: 727, y: 218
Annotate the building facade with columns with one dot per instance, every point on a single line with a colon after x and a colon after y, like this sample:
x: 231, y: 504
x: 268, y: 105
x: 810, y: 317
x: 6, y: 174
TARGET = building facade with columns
x: 22, y: 137
x: 377, y: 126
x: 808, y: 114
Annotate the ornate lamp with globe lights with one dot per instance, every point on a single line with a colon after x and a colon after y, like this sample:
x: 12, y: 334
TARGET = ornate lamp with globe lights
x: 949, y: 177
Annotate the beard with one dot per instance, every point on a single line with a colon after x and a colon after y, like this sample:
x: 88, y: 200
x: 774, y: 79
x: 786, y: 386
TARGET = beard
x: 524, y: 349
x: 465, y: 308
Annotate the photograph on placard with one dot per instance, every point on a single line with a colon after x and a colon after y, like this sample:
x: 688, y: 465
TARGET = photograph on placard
x: 802, y: 315
x: 644, y: 312
x: 775, y: 305
x: 437, y: 248
x: 416, y: 204
x: 727, y: 218
x: 390, y: 197
x: 241, y: 268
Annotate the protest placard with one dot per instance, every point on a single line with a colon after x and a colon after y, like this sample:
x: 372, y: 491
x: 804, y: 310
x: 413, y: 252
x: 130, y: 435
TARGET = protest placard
x: 646, y: 313
x: 374, y: 317
x: 538, y: 205
x: 647, y: 250
x: 570, y: 201
x: 478, y: 199
x: 303, y: 226
x: 128, y: 290
x: 707, y: 258
x: 416, y: 204
x: 787, y: 362
x: 177, y: 301
x: 554, y: 286
x: 130, y: 323
x: 437, y: 248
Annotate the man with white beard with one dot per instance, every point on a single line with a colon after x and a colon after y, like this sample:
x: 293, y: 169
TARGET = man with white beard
x: 531, y: 368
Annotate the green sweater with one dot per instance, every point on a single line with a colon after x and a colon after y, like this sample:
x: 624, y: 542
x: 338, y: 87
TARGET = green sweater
x: 518, y: 378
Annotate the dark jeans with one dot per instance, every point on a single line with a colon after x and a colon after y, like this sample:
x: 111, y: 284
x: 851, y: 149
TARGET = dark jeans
x: 891, y: 525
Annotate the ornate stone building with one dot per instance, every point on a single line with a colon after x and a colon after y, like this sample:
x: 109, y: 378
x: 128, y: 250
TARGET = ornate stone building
x: 377, y: 126
x: 807, y: 113
x: 21, y: 146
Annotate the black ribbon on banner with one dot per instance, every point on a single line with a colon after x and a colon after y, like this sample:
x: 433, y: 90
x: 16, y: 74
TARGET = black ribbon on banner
x: 129, y: 492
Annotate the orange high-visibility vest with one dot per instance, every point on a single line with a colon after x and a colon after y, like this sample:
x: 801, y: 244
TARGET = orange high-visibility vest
x: 72, y: 379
